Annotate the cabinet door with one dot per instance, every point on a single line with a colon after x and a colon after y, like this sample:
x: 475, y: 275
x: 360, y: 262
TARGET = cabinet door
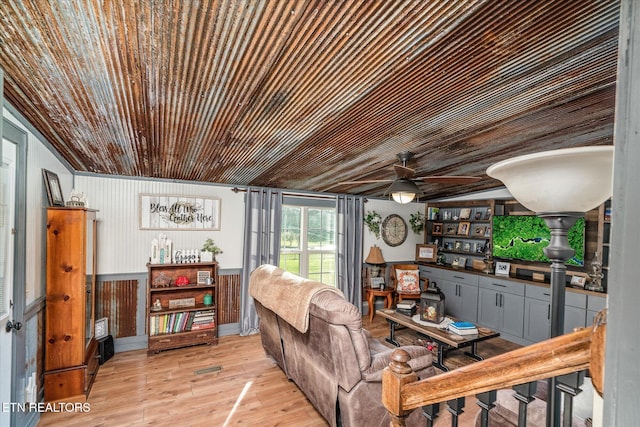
x: 536, y: 320
x: 468, y: 296
x: 451, y: 300
x: 489, y: 311
x: 512, y: 321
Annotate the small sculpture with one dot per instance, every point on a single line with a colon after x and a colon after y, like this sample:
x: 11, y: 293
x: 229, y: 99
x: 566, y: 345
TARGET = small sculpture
x: 595, y: 274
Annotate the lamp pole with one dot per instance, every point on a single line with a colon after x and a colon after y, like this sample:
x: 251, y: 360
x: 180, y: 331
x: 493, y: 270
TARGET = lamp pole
x: 558, y: 251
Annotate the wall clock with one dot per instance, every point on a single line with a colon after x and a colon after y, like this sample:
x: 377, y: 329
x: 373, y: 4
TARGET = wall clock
x: 394, y: 230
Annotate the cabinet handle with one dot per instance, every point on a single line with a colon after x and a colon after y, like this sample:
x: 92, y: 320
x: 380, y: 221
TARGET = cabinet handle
x: 497, y: 299
x: 459, y: 290
x: 547, y: 294
x: 501, y: 300
x: 458, y: 277
x: 499, y: 285
x: 548, y: 311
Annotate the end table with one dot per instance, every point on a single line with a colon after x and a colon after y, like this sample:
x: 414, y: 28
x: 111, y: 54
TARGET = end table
x: 371, y: 296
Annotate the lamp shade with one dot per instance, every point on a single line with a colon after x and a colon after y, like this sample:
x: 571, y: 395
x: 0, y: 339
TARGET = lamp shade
x: 565, y: 180
x: 375, y: 256
x: 404, y: 190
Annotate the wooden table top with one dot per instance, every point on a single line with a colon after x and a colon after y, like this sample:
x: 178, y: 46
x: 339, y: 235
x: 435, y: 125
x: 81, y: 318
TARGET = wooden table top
x: 443, y: 335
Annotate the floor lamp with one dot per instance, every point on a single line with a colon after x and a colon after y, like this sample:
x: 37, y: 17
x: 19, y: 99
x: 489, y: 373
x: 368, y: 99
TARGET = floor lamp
x: 560, y: 186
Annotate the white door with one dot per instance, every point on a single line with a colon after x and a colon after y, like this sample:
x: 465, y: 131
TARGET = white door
x: 7, y: 215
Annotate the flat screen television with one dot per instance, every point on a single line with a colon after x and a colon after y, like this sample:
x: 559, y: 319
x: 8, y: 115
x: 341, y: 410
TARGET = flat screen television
x: 523, y: 238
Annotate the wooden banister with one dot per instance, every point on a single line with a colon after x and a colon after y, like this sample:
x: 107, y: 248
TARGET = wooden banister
x: 557, y: 356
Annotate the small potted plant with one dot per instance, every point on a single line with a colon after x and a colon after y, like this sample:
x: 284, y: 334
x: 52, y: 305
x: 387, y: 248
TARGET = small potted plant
x: 209, y: 250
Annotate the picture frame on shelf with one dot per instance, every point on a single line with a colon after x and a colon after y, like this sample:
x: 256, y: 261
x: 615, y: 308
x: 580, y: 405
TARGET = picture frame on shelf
x: 457, y: 245
x: 502, y: 268
x: 463, y: 228
x: 450, y: 229
x: 376, y: 283
x: 202, y: 277
x: 479, y: 230
x: 426, y: 252
x: 459, y: 262
x: 437, y: 228
x: 466, y: 247
x: 465, y: 213
x: 52, y: 185
x: 478, y: 216
x: 578, y: 281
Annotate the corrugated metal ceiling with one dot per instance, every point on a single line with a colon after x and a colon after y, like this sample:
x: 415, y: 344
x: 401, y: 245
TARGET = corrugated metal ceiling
x: 306, y: 94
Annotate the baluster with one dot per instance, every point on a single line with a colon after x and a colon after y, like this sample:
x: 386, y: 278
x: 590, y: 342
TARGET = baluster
x: 524, y: 395
x: 431, y: 413
x: 455, y: 406
x: 486, y: 401
x: 569, y: 384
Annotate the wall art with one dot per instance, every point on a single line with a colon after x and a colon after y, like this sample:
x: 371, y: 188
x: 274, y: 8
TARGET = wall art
x: 173, y: 212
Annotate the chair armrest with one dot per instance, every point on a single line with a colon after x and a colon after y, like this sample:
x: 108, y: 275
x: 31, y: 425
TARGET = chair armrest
x: 421, y: 358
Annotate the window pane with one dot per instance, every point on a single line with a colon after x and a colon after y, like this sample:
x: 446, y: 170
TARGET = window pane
x: 290, y: 262
x: 290, y: 234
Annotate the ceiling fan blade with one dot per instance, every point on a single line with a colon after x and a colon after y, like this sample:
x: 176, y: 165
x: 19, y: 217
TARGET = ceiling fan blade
x: 404, y: 171
x: 449, y: 179
x: 365, y: 181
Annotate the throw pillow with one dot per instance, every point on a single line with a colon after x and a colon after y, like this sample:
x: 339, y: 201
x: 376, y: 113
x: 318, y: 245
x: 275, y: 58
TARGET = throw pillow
x: 408, y: 281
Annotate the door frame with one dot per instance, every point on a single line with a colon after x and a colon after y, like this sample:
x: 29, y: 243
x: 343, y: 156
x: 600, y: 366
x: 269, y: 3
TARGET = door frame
x: 19, y: 137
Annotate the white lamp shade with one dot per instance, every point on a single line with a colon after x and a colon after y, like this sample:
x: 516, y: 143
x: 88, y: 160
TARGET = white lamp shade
x: 565, y: 180
x: 404, y: 190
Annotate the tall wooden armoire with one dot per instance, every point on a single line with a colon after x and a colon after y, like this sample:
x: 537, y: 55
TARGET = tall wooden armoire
x: 71, y: 351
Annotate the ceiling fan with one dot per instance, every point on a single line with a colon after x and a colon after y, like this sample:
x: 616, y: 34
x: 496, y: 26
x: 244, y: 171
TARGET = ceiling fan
x: 403, y: 189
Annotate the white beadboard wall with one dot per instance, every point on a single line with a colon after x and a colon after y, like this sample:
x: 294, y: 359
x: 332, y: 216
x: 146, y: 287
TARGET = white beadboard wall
x: 38, y: 157
x: 124, y: 248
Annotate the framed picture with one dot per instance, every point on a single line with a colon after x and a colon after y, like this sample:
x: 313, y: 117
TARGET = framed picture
x: 450, y: 229
x: 458, y: 245
x: 437, y: 229
x: 459, y: 262
x: 54, y: 191
x: 101, y: 328
x: 177, y: 212
x: 477, y: 264
x: 478, y: 216
x: 376, y: 282
x: 426, y: 253
x: 578, y: 281
x: 465, y: 213
x: 463, y: 228
x: 203, y: 276
x: 466, y: 247
x: 502, y: 268
x: 479, y: 230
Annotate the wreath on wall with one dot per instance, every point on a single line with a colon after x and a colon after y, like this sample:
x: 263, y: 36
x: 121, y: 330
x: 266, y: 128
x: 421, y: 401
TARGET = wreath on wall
x: 417, y: 222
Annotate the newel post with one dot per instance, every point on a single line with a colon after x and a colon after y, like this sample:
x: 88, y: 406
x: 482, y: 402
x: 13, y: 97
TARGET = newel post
x: 394, y: 377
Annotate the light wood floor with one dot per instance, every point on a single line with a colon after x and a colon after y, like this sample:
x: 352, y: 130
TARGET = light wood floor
x: 132, y: 389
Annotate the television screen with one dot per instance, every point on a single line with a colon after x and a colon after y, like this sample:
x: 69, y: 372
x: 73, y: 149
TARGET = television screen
x: 524, y: 237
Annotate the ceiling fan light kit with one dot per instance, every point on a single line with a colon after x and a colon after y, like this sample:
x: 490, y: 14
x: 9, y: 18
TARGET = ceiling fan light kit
x: 404, y: 190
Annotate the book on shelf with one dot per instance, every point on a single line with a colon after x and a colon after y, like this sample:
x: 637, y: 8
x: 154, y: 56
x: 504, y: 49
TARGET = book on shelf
x: 406, y: 305
x: 407, y: 311
x: 463, y: 328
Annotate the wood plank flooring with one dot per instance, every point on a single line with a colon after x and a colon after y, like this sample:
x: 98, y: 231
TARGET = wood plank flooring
x: 164, y: 389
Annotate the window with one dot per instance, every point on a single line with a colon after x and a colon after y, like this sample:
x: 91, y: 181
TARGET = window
x: 308, y: 242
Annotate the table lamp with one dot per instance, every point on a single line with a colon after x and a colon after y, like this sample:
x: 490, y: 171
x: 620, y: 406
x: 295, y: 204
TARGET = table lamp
x: 376, y: 260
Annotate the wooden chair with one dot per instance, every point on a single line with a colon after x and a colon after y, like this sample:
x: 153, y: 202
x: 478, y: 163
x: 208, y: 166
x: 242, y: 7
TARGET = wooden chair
x: 422, y: 282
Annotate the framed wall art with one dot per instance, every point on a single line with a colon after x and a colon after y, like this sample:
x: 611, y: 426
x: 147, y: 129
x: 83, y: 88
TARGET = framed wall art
x: 54, y: 191
x: 173, y: 212
x: 426, y: 253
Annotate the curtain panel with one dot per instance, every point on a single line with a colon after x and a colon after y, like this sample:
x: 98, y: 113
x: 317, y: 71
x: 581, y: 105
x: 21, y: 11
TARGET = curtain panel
x: 263, y: 212
x: 349, y: 247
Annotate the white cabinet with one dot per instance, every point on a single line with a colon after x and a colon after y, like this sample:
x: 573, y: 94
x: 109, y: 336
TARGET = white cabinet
x: 595, y: 303
x: 461, y: 295
x: 500, y: 306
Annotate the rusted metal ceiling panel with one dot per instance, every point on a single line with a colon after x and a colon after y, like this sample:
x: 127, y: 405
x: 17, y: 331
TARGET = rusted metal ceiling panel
x: 307, y: 94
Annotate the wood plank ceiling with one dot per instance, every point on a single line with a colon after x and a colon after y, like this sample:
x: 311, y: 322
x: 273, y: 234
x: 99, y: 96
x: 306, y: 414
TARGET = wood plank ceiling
x: 306, y: 94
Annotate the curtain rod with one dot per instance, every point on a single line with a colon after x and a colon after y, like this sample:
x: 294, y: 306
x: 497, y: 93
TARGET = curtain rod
x: 301, y: 194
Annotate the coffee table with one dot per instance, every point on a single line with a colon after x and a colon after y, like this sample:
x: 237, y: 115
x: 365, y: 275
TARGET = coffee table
x: 446, y: 340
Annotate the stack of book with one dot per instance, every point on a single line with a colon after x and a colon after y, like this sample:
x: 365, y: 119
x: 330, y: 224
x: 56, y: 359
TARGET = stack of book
x: 408, y: 308
x: 203, y: 320
x: 463, y: 328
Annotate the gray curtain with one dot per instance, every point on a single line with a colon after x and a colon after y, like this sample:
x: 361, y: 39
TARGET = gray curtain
x: 349, y: 247
x: 262, y: 215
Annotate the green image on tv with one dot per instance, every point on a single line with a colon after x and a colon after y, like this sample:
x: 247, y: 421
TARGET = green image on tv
x: 525, y: 237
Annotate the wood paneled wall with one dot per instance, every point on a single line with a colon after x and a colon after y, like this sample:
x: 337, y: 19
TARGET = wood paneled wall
x: 117, y: 300
x: 229, y: 298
